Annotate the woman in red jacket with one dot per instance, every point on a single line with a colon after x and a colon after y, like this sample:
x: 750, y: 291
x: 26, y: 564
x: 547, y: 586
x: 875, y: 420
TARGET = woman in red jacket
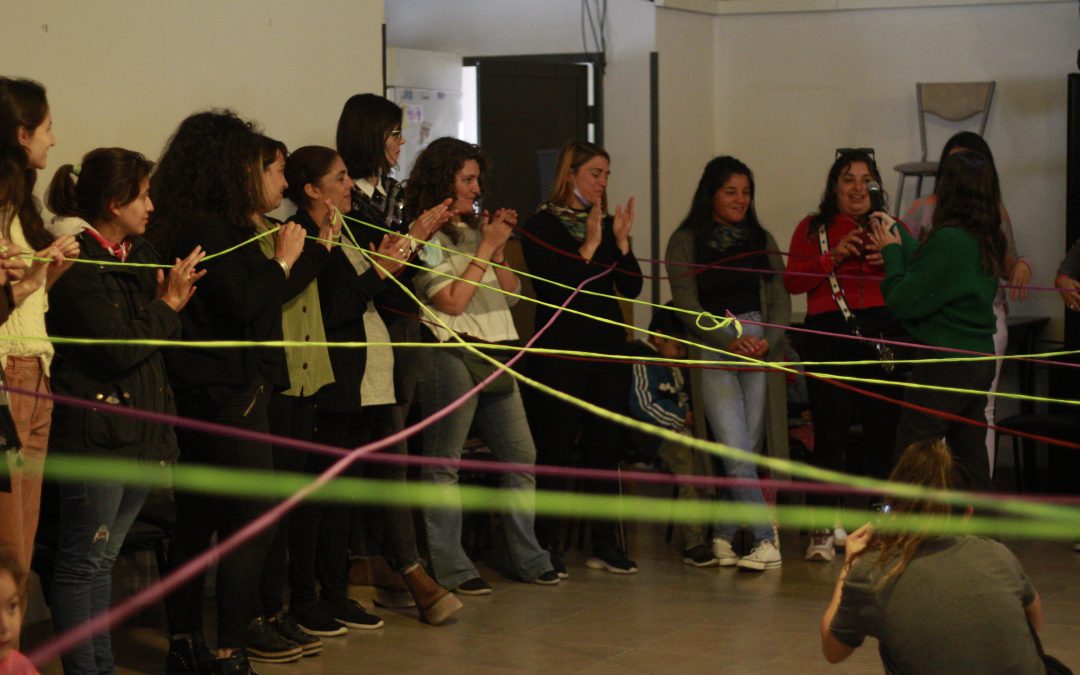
x: 834, y: 241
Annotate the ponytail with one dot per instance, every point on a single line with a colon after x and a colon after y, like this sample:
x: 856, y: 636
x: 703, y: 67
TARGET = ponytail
x: 60, y: 197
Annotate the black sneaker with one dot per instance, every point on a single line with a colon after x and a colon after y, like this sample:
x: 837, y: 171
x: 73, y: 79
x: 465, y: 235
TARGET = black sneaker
x: 558, y: 563
x: 288, y: 628
x: 188, y: 656
x: 353, y: 615
x: 236, y: 664
x: 700, y: 556
x: 612, y: 560
x: 474, y: 586
x: 266, y: 645
x: 316, y: 619
x: 549, y: 578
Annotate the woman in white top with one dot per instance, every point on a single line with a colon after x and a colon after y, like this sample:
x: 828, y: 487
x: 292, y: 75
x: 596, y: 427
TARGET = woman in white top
x: 450, y: 168
x: 25, y: 138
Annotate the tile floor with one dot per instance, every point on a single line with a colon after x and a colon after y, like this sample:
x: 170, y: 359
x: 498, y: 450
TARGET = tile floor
x: 669, y: 618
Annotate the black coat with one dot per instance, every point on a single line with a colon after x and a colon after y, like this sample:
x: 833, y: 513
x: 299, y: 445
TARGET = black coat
x: 240, y: 298
x: 344, y: 297
x: 108, y: 301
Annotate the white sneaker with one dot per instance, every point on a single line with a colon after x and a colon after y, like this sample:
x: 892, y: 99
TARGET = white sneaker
x: 822, y: 546
x: 725, y: 555
x: 763, y: 557
x: 839, y: 536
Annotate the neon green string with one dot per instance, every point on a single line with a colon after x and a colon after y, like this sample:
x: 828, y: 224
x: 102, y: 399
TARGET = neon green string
x: 117, y: 263
x: 225, y: 481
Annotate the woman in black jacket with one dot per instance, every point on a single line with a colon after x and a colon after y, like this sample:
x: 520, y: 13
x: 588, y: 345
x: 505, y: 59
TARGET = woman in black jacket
x: 357, y: 407
x: 108, y: 199
x: 206, y: 188
x: 570, y: 239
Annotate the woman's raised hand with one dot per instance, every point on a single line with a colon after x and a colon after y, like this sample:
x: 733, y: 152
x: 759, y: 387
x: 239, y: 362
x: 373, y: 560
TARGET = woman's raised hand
x: 431, y: 220
x: 393, y: 249
x: 176, y: 289
x: 12, y: 267
x: 848, y: 246
x: 882, y: 230
x: 289, y: 242
x: 330, y: 227
x: 623, y: 221
x: 496, y: 229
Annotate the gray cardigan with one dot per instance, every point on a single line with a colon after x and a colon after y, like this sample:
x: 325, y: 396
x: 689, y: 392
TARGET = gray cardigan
x: 775, y: 309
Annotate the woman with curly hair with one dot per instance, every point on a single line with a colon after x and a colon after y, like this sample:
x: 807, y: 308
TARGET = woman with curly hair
x: 207, y: 187
x: 473, y: 252
x: 25, y: 138
x: 942, y: 288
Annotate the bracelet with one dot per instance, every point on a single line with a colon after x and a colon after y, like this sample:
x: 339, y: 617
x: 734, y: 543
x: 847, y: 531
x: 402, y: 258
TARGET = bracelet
x: 500, y: 262
x: 284, y: 265
x: 482, y: 267
x: 1060, y: 277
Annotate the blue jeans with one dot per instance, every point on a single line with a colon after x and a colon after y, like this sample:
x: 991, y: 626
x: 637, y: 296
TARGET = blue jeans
x: 94, y: 520
x: 734, y: 403
x: 501, y: 421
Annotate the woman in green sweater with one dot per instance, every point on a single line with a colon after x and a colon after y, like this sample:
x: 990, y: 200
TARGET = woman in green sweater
x: 942, y: 289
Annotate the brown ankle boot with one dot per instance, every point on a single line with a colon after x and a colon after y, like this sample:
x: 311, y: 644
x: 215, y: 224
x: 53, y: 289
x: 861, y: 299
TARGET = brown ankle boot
x: 435, y: 603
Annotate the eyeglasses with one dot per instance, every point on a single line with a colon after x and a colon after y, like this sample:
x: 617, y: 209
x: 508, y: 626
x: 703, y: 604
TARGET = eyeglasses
x: 842, y: 152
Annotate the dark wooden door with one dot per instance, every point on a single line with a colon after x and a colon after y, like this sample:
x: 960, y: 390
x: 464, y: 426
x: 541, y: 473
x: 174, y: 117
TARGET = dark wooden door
x: 527, y: 110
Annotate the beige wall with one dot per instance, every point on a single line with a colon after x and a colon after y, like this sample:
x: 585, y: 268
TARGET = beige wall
x: 790, y: 88
x: 124, y: 72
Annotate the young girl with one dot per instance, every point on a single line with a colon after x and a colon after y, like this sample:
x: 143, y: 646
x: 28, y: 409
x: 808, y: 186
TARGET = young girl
x: 25, y: 138
x: 942, y: 289
x: 108, y: 200
x: 12, y: 601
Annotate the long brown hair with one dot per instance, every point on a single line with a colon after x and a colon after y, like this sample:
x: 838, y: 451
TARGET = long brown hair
x: 928, y: 464
x: 107, y: 176
x: 22, y: 106
x: 572, y: 156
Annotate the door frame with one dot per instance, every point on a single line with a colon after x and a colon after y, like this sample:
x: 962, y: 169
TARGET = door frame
x: 596, y: 59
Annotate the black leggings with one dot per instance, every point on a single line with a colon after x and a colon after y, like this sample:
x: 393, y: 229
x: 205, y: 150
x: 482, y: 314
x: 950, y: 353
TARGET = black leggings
x: 199, y: 516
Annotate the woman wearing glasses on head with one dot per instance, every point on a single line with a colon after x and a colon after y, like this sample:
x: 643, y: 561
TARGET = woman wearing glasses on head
x: 833, y: 260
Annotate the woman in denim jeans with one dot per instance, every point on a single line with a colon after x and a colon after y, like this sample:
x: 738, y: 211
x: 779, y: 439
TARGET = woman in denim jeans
x: 107, y: 202
x: 722, y: 229
x: 474, y: 254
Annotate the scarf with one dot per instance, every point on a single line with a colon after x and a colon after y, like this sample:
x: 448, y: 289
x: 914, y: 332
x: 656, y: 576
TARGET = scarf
x: 572, y: 219
x: 724, y: 238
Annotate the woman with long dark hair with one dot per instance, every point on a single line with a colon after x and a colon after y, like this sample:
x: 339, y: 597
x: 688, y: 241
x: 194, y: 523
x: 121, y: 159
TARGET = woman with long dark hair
x: 25, y: 138
x: 1016, y: 273
x: 936, y: 603
x: 722, y: 228
x: 208, y: 190
x: 106, y: 198
x: 942, y: 288
x: 473, y: 252
x: 834, y: 262
x: 570, y: 239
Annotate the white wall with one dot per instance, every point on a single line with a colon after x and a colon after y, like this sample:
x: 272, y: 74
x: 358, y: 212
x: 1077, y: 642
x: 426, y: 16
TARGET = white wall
x: 125, y: 73
x: 790, y: 88
x: 514, y: 27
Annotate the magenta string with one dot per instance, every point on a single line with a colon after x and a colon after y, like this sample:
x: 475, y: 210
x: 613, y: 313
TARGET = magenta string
x: 61, y: 643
